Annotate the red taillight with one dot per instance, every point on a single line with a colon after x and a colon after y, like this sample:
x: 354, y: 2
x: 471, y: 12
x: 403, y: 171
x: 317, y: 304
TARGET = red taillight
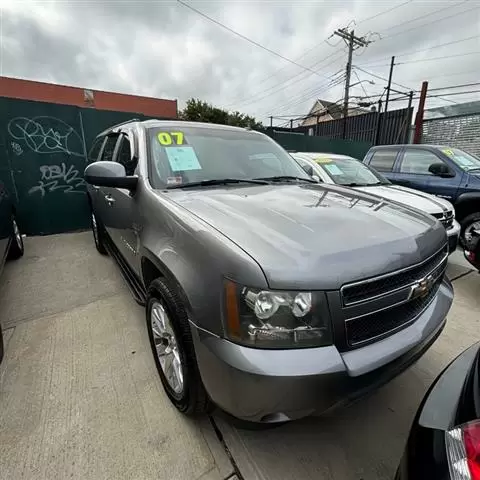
x: 471, y: 438
x: 463, y: 451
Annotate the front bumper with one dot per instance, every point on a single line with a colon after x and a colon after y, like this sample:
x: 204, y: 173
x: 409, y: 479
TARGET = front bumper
x: 277, y: 385
x: 453, y: 234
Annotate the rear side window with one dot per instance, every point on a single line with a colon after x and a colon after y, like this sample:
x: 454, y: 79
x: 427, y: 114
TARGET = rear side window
x: 109, y: 148
x: 124, y: 156
x: 418, y: 161
x: 95, y: 150
x: 383, y: 160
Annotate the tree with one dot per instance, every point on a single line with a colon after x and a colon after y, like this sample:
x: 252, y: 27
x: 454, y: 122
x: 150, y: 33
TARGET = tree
x: 199, y: 111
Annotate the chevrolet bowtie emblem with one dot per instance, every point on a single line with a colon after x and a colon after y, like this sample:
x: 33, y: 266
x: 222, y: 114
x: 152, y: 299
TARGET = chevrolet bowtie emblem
x: 421, y: 288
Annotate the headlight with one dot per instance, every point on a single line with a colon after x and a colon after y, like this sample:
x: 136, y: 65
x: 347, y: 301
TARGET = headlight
x: 276, y: 319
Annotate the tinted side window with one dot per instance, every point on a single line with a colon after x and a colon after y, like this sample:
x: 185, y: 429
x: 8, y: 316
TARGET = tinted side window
x: 418, y: 161
x: 95, y: 150
x: 124, y: 156
x: 109, y: 148
x: 383, y: 160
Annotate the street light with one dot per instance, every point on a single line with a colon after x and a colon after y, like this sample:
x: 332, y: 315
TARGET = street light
x: 371, y: 82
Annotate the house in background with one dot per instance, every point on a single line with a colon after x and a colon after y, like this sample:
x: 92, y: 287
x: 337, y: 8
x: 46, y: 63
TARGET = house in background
x: 324, y: 111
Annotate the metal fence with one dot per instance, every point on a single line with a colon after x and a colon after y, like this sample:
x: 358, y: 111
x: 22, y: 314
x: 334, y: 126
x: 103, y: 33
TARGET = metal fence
x: 392, y: 127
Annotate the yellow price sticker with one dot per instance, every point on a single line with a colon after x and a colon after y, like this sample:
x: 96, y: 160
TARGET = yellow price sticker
x: 170, y: 138
x: 448, y: 152
x: 323, y: 160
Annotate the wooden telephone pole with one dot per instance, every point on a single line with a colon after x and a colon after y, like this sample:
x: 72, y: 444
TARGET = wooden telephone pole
x: 353, y: 42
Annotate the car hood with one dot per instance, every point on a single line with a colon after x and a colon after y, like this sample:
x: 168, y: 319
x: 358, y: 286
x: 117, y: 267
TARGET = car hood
x: 316, y: 236
x: 413, y: 198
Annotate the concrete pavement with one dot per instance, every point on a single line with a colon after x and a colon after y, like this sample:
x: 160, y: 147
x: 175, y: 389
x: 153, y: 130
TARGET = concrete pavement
x: 80, y: 397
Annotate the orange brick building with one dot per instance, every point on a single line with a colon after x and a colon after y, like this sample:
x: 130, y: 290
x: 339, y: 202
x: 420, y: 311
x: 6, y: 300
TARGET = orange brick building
x: 82, y: 97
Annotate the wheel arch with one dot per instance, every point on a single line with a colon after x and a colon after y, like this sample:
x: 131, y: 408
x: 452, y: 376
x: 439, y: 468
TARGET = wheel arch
x: 152, y: 267
x: 466, y: 204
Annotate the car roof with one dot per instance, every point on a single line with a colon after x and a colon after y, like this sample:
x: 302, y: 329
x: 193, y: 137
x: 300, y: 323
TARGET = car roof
x: 176, y: 124
x: 423, y: 146
x: 321, y: 154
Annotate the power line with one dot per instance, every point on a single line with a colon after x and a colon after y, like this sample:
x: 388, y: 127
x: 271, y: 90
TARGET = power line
x: 283, y: 85
x: 426, y: 49
x: 384, y: 12
x: 448, y: 17
x: 426, y: 59
x: 274, y: 88
x: 454, y: 86
x: 425, y: 15
x: 253, y: 42
x: 274, y: 74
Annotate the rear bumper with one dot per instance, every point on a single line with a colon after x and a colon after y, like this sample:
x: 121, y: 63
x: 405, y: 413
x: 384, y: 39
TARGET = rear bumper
x: 453, y: 235
x: 277, y: 385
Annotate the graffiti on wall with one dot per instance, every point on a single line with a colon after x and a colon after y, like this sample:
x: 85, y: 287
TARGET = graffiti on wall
x: 58, y: 177
x: 46, y: 135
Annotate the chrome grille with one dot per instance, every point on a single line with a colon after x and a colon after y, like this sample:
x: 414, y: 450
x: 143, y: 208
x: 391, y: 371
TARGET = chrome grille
x: 388, y: 322
x: 446, y: 219
x: 368, y: 289
x: 381, y: 306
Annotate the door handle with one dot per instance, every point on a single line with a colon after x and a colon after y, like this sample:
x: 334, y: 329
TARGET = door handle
x: 110, y: 200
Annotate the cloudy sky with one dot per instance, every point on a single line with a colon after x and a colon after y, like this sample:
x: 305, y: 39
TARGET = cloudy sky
x: 165, y: 49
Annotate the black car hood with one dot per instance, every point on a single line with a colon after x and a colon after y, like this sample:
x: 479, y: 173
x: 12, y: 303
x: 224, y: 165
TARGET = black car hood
x: 316, y: 236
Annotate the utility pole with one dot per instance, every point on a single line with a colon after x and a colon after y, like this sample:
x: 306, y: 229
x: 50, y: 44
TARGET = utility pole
x: 409, y: 118
x: 389, y: 86
x: 271, y: 121
x: 419, y: 118
x: 353, y: 42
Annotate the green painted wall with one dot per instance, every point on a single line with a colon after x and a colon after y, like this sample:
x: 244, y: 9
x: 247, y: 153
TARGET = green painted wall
x: 305, y: 143
x: 43, y: 150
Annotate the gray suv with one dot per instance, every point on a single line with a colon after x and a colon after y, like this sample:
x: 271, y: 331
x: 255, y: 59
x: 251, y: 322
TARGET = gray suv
x: 267, y: 294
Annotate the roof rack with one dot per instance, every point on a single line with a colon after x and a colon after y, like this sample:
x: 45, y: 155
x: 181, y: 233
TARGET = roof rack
x: 119, y: 125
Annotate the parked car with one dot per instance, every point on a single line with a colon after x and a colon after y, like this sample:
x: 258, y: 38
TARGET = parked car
x: 267, y: 294
x: 444, y: 171
x: 444, y: 441
x: 350, y: 172
x: 11, y: 242
x: 472, y: 250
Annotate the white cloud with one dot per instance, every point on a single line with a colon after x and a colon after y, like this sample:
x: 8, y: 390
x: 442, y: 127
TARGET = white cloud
x: 162, y: 48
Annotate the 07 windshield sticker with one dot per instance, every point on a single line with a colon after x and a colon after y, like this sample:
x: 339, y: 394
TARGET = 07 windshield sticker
x: 171, y: 138
x: 182, y: 159
x: 323, y: 160
x: 333, y: 169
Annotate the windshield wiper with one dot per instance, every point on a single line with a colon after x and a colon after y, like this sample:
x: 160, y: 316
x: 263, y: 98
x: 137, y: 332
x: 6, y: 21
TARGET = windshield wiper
x: 218, y: 181
x: 280, y: 178
x: 375, y: 184
x: 473, y: 169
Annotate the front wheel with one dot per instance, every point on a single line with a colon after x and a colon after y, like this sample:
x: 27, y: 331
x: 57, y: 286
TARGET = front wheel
x: 16, y: 246
x: 468, y: 224
x: 173, y: 350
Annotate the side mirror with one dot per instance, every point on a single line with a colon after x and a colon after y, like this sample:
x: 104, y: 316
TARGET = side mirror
x: 317, y: 178
x: 440, y: 170
x: 308, y: 169
x: 109, y: 174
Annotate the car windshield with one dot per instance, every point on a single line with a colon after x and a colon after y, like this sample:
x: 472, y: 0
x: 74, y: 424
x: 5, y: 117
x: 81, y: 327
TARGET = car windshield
x: 464, y: 160
x: 190, y: 155
x: 348, y: 171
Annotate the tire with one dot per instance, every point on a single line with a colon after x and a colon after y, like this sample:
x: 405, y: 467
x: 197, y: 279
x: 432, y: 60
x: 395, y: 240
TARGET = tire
x: 188, y: 395
x: 98, y: 234
x: 466, y: 224
x: 16, y: 248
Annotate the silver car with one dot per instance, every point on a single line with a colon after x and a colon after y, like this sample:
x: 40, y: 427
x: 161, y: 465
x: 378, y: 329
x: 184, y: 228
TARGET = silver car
x: 267, y: 294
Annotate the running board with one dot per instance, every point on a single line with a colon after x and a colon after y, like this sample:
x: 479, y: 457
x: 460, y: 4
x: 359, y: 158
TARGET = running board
x: 130, y: 278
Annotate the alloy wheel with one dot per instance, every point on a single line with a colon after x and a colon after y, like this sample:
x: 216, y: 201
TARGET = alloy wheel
x: 166, y: 347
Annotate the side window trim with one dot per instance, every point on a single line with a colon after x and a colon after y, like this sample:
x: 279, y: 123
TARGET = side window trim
x: 125, y: 136
x: 404, y: 151
x: 102, y: 146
